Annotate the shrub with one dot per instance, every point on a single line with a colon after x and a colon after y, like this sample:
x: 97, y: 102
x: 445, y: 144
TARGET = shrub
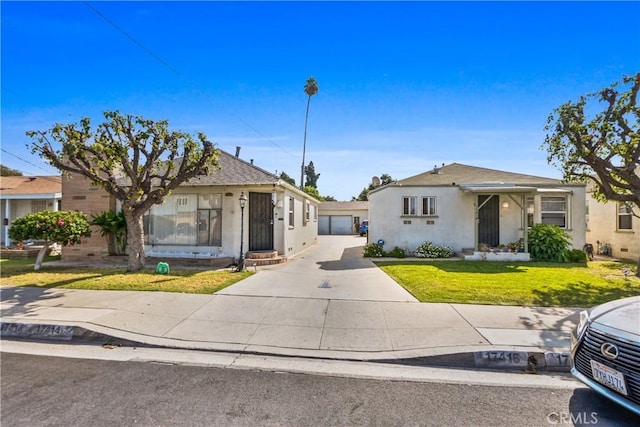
x: 429, y: 250
x: 548, y: 243
x: 396, y: 253
x: 113, y: 226
x: 63, y: 227
x: 576, y: 255
x: 373, y: 250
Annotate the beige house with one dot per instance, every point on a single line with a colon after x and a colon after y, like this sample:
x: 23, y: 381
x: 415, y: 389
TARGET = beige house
x: 612, y: 229
x: 341, y: 217
x: 465, y: 206
x: 22, y: 195
x: 203, y: 219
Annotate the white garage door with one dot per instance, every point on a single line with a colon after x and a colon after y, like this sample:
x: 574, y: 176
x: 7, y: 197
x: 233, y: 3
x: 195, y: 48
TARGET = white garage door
x: 341, y: 224
x: 335, y: 224
x: 323, y: 224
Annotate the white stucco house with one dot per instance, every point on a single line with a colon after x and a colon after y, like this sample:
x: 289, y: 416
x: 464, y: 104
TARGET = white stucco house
x: 203, y: 219
x: 465, y: 206
x: 22, y: 195
x: 342, y: 217
x: 612, y: 229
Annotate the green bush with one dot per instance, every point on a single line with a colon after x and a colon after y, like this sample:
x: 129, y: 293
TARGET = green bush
x: 396, y: 253
x: 373, y: 250
x: 576, y: 255
x: 548, y: 243
x: 113, y: 227
x: 429, y: 250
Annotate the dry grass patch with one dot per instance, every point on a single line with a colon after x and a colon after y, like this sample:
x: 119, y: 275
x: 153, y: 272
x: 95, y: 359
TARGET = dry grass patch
x: 185, y: 280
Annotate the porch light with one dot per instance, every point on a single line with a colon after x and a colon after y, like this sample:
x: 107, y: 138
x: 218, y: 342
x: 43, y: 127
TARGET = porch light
x: 243, y: 202
x: 505, y: 205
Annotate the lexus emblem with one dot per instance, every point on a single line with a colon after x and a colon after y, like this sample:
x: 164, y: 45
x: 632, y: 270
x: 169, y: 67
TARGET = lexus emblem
x: 610, y: 351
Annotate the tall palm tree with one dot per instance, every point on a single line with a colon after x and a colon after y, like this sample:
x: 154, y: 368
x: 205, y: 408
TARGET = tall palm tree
x: 310, y: 88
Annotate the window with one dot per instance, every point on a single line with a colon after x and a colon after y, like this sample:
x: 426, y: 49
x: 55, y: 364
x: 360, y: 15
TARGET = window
x: 307, y: 207
x: 38, y: 206
x: 553, y: 210
x: 624, y: 217
x: 409, y: 205
x: 210, y: 219
x: 291, y: 212
x: 530, y: 211
x: 187, y: 219
x: 429, y: 205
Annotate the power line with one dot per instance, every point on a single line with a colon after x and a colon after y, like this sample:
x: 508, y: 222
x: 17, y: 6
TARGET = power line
x: 177, y: 73
x: 26, y: 161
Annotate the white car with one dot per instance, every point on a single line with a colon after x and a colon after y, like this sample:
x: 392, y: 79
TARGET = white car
x: 605, y: 351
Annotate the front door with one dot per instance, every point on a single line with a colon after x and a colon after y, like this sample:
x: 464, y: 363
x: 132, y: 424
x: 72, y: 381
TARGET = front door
x: 260, y: 222
x: 489, y: 220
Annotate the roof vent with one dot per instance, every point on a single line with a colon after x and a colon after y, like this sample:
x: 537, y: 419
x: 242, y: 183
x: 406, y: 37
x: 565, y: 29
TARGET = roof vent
x: 238, y: 151
x: 435, y: 170
x: 32, y: 178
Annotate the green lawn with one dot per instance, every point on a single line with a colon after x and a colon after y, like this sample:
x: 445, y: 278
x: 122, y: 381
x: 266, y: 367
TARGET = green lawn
x: 467, y: 282
x: 20, y: 273
x: 531, y: 283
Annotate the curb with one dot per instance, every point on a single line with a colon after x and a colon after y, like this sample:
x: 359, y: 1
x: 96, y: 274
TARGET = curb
x: 530, y: 362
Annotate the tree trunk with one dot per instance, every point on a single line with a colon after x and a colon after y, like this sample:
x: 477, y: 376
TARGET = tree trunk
x: 111, y: 243
x: 135, y: 239
x: 41, y: 256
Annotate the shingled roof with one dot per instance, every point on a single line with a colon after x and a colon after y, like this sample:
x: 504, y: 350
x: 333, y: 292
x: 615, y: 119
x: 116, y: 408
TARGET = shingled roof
x: 457, y: 174
x: 27, y: 185
x: 235, y: 171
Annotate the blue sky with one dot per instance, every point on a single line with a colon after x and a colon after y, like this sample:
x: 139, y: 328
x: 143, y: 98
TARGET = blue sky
x: 403, y: 85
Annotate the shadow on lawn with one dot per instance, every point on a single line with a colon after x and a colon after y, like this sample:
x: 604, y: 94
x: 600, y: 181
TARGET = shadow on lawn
x: 576, y: 294
x: 482, y: 267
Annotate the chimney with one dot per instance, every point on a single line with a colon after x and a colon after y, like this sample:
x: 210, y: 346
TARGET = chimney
x: 238, y: 151
x: 251, y: 161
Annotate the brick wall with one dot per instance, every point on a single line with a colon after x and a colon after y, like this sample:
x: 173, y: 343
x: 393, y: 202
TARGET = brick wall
x: 79, y: 195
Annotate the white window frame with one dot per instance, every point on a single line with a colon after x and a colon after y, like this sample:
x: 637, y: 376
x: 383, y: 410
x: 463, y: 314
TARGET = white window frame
x: 409, y: 205
x: 564, y: 212
x: 431, y: 206
x: 623, y: 211
x: 292, y: 210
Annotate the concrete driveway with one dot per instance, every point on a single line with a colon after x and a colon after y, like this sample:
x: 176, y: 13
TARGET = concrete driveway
x: 333, y: 269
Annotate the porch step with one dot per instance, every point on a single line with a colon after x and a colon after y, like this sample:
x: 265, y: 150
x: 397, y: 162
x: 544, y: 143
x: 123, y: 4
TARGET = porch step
x: 261, y: 254
x: 259, y: 258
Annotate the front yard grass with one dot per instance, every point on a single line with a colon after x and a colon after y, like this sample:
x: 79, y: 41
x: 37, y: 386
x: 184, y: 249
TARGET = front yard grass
x: 196, y: 281
x: 507, y: 283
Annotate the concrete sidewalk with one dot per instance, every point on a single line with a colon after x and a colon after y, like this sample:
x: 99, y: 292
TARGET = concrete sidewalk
x: 328, y: 302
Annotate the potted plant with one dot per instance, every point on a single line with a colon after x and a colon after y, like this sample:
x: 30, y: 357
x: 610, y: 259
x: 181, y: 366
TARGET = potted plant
x: 514, y: 246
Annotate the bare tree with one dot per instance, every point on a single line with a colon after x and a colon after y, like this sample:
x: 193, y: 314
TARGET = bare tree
x: 138, y: 161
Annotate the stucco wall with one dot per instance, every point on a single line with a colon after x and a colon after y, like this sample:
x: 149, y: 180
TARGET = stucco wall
x: 603, y: 227
x: 454, y: 223
x: 301, y: 234
x: 452, y: 226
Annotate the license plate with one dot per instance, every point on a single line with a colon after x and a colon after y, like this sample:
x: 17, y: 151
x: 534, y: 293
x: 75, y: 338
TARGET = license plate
x: 609, y: 377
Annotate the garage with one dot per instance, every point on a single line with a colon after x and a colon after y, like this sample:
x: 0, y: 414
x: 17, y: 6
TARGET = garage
x: 335, y: 224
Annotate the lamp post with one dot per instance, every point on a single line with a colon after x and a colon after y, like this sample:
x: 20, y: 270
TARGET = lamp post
x: 243, y: 202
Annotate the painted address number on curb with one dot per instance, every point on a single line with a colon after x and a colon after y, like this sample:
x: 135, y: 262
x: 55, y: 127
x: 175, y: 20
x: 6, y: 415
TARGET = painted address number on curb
x: 501, y: 358
x: 556, y: 359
